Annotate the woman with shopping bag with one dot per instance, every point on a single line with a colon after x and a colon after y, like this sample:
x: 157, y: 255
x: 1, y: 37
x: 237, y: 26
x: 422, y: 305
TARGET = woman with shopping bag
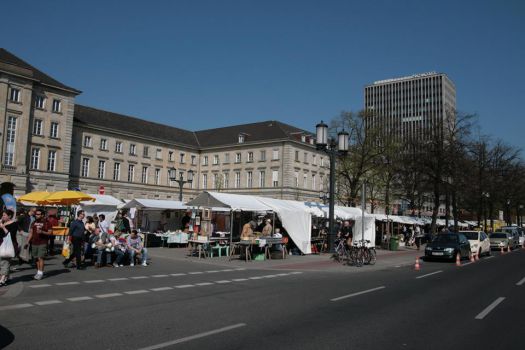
x: 9, y: 246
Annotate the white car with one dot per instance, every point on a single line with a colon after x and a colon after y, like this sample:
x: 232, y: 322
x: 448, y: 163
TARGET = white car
x: 479, y: 242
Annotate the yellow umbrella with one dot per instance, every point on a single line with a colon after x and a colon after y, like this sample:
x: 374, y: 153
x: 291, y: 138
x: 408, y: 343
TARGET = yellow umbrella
x: 68, y: 197
x: 37, y: 197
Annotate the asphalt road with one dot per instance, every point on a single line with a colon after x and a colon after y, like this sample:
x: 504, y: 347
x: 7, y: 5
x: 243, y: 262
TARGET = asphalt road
x: 190, y: 305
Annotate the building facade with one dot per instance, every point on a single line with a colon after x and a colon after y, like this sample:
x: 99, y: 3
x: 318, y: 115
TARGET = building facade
x: 51, y: 143
x: 405, y: 107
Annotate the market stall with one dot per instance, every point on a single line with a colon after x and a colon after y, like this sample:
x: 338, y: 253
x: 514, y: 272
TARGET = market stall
x: 103, y: 204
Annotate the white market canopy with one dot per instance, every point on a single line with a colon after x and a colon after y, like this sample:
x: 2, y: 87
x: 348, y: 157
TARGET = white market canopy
x: 293, y: 215
x: 154, y: 204
x: 102, y: 200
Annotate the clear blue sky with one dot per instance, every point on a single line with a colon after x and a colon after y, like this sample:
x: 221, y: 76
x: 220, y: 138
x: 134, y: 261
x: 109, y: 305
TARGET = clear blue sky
x: 202, y: 64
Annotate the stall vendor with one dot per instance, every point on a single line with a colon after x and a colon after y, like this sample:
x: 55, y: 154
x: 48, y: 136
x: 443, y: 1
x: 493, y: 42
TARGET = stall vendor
x: 247, y: 230
x: 267, y: 229
x: 185, y: 222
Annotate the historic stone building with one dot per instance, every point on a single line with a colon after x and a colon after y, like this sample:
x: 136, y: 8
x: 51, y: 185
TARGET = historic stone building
x: 49, y: 143
x: 36, y: 125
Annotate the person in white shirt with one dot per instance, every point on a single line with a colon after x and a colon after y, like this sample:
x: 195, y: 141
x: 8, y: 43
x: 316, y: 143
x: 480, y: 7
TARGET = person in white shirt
x: 103, y: 225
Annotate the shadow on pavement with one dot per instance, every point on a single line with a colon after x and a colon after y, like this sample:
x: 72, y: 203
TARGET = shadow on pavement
x: 47, y: 274
x: 6, y: 337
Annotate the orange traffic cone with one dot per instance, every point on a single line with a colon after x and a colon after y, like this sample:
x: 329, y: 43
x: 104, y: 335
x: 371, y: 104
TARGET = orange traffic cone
x: 508, y: 248
x: 416, y: 267
x: 472, y: 257
x: 458, y: 260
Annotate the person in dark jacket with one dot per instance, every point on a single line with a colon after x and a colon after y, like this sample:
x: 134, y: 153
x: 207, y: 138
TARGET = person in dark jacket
x: 76, y: 237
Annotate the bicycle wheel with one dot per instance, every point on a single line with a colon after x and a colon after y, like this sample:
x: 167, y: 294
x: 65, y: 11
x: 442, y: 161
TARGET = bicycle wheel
x: 360, y: 258
x: 372, y: 256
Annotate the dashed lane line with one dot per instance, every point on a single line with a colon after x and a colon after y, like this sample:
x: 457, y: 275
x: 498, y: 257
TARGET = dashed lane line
x: 40, y: 285
x: 161, y: 289
x: 193, y: 337
x: 117, y: 279
x: 48, y: 302
x: 489, y: 308
x: 358, y: 293
x: 79, y: 298
x: 521, y: 282
x: 109, y: 295
x: 429, y: 274
x: 16, y: 306
x: 134, y: 292
x: 144, y: 291
x: 204, y: 284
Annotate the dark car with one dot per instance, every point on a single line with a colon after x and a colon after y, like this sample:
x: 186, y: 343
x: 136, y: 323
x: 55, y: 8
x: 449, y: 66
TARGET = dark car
x: 447, y: 245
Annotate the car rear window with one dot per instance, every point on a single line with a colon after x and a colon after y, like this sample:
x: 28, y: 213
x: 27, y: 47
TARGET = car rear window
x: 498, y: 235
x: 446, y: 238
x: 471, y: 235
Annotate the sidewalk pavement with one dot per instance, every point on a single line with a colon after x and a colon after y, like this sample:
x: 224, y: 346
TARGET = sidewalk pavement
x: 313, y: 262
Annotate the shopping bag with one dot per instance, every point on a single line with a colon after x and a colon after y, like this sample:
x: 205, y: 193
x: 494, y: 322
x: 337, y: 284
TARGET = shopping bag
x: 7, y: 250
x: 66, y: 250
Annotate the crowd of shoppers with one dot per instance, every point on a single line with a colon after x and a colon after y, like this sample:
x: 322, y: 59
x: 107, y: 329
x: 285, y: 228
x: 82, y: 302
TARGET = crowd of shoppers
x: 89, y: 242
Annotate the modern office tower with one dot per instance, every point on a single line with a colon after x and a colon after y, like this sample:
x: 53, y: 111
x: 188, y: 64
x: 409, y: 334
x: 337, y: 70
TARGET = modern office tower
x: 410, y: 107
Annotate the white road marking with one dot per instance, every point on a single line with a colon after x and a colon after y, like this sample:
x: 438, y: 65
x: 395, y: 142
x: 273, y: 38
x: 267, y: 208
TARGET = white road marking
x: 282, y: 274
x: 109, y: 295
x: 467, y: 263
x: 159, y: 276
x: 255, y: 278
x: 40, y: 286
x: 185, y: 286
x: 489, y: 308
x: 223, y: 281
x: 177, y: 274
x: 193, y: 337
x: 227, y: 270
x: 239, y: 279
x: 521, y: 282
x: 48, y: 302
x: 117, y: 279
x: 270, y: 276
x: 139, y: 277
x: 429, y: 274
x: 66, y: 283
x: 79, y: 298
x: 212, y: 271
x: 240, y: 269
x: 195, y: 273
x: 490, y: 257
x: 358, y: 293
x: 140, y: 291
x: 204, y: 284
x: 161, y: 289
x: 295, y: 273
x: 16, y: 306
x: 94, y: 281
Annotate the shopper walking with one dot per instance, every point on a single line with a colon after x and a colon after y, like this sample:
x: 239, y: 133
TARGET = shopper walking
x: 8, y: 226
x: 38, y: 238
x: 76, y: 237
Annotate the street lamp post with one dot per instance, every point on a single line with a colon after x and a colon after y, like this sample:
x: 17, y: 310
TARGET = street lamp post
x: 323, y: 196
x: 332, y: 149
x: 509, y: 218
x: 180, y: 180
x: 485, y: 195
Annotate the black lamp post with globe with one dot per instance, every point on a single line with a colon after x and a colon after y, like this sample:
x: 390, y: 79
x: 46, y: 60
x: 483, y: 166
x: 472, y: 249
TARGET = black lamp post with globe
x: 332, y: 149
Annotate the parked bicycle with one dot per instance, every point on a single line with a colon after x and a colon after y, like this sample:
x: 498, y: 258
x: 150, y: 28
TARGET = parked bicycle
x: 362, y: 254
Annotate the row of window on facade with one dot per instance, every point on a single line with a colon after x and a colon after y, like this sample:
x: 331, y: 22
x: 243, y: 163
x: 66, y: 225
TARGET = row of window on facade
x: 119, y: 148
x: 15, y: 95
x: 218, y: 180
